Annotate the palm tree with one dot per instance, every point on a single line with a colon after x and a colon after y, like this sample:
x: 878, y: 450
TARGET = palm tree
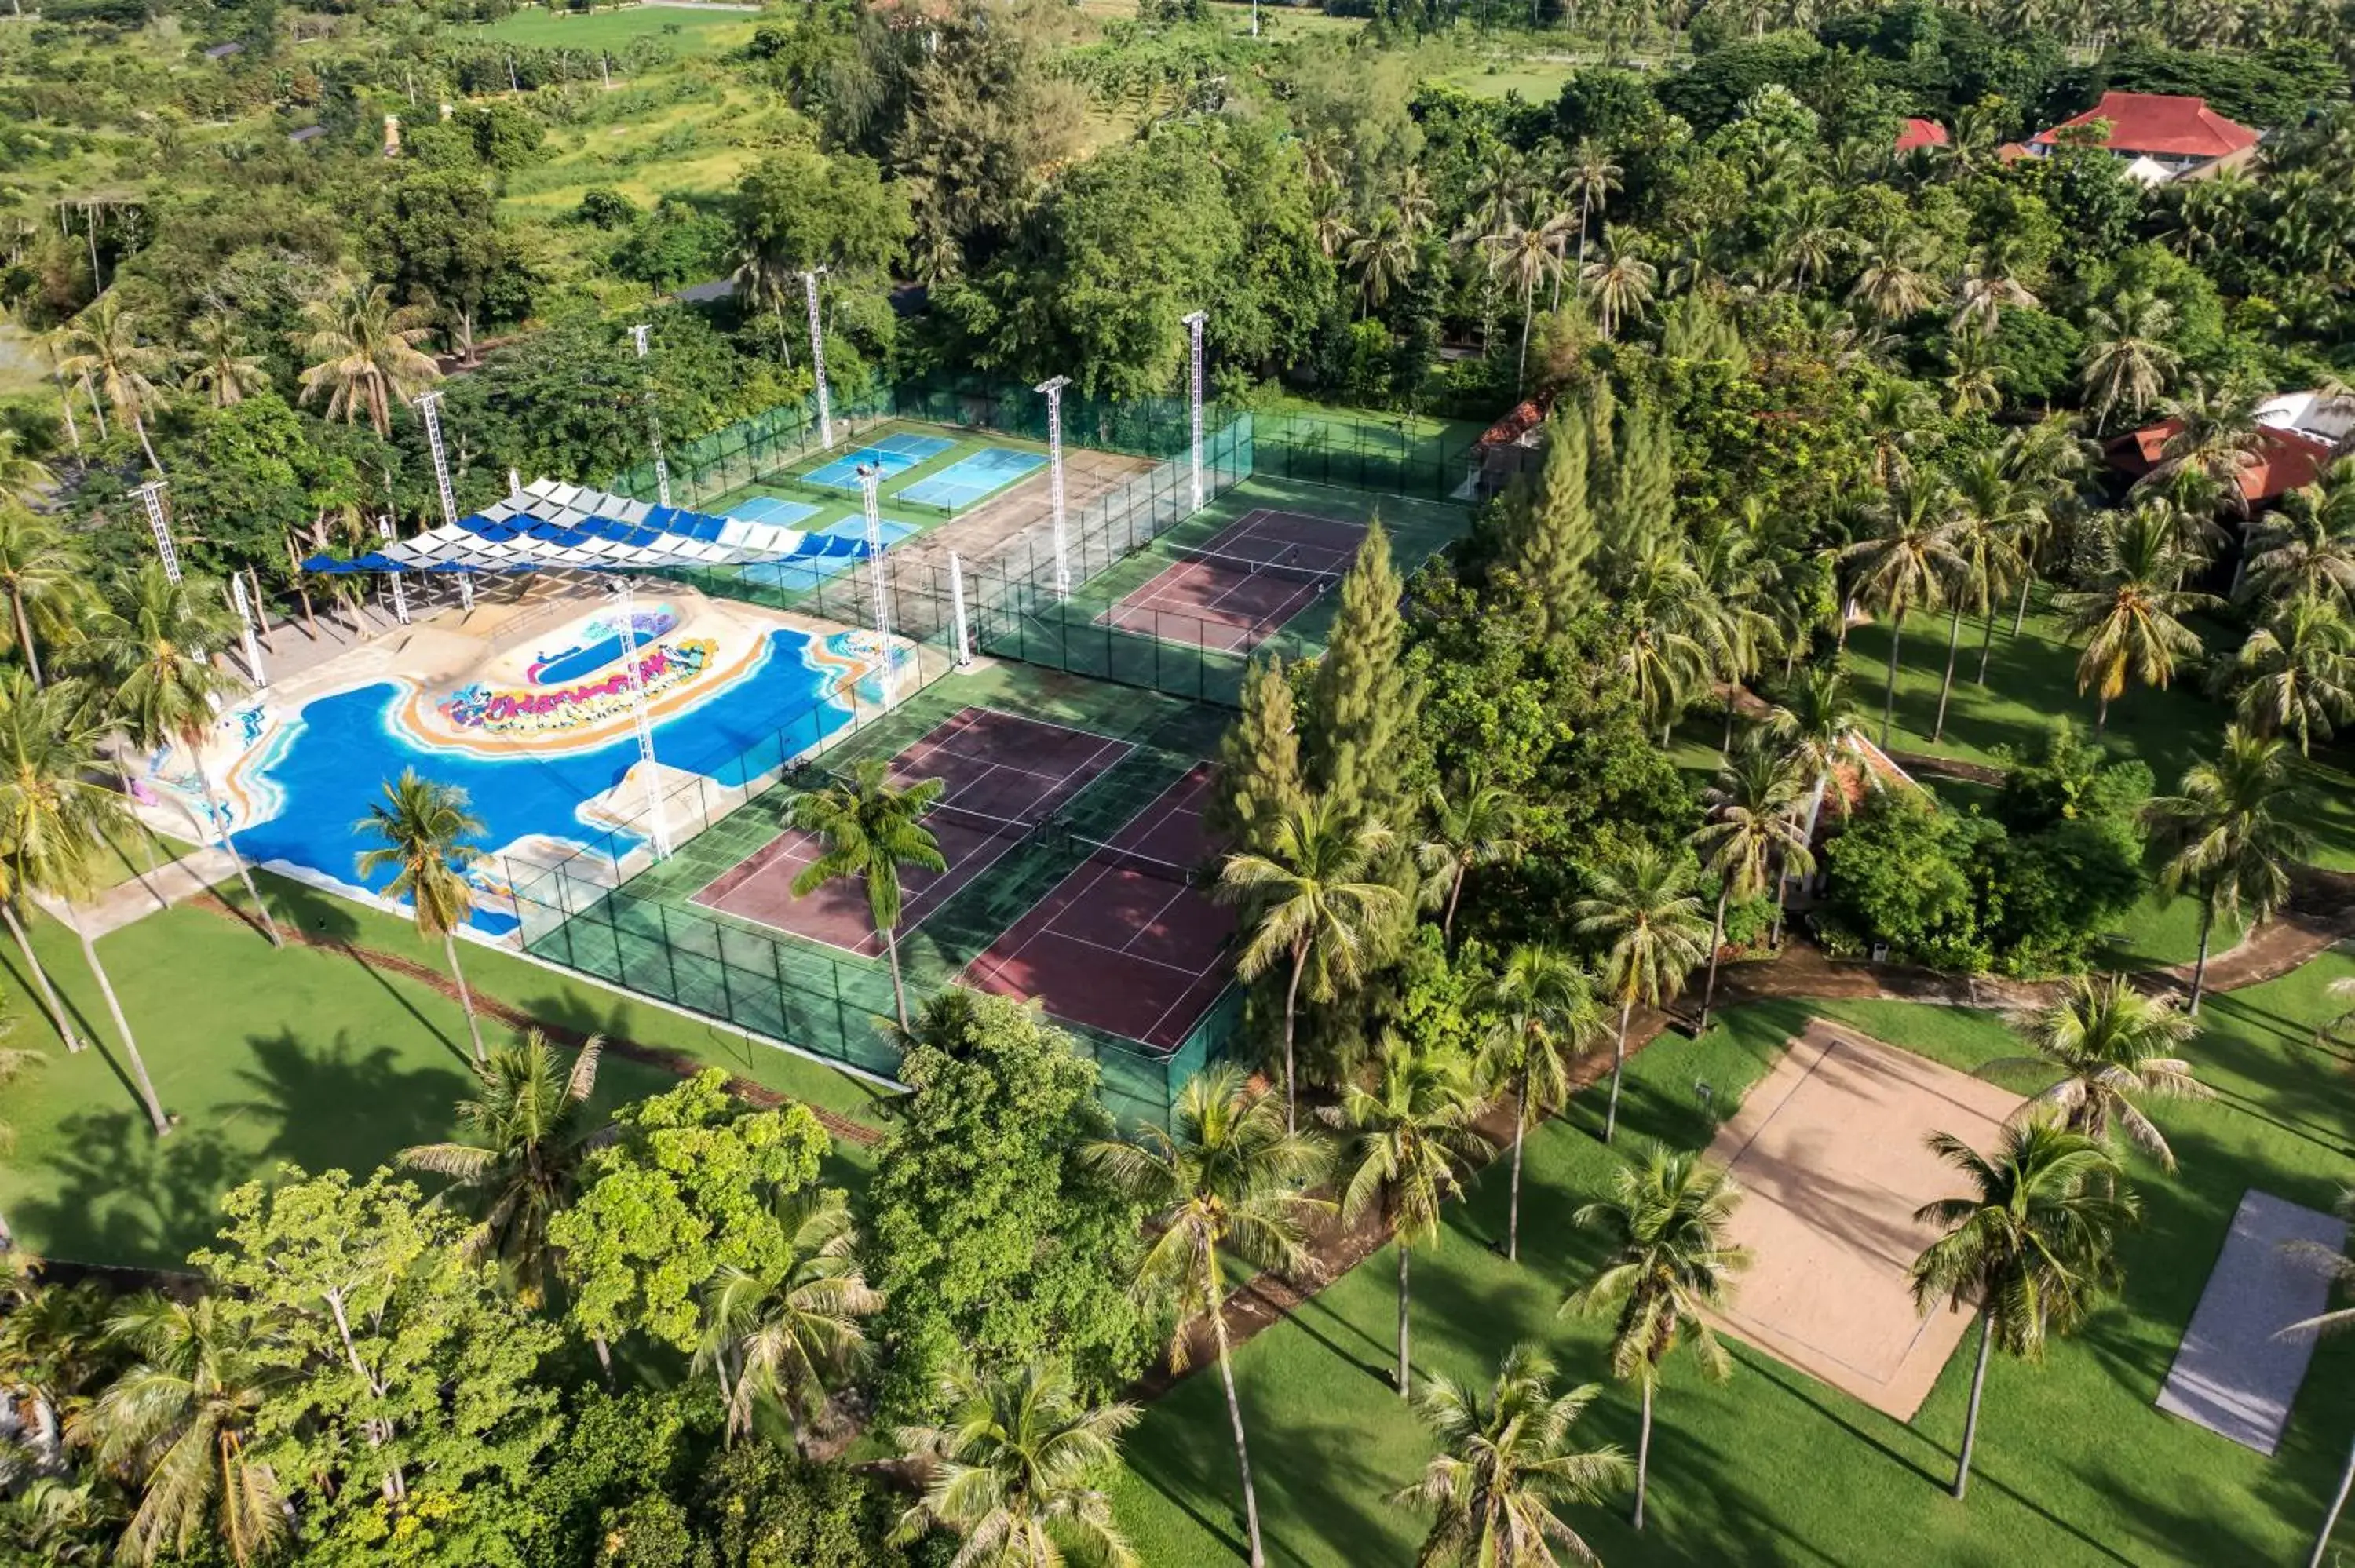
x: 2338, y: 1267
x: 1993, y: 514
x: 45, y: 572
x: 1808, y: 238
x: 1643, y: 908
x: 2110, y: 1041
x: 1593, y: 180
x: 426, y: 831
x: 1821, y: 733
x: 217, y: 360
x: 782, y: 1332
x: 2131, y: 623
x: 1529, y: 254
x: 21, y: 473
x: 1892, y: 284
x: 2296, y: 672
x: 2307, y: 546
x: 179, y: 1422
x: 1477, y: 828
x: 150, y: 655
x: 2030, y: 1245
x: 103, y: 344
x: 1507, y: 1465
x: 2232, y: 835
x: 1312, y: 899
x: 1543, y: 1018
x: 2127, y: 357
x: 1670, y: 1265
x: 1228, y: 1179
x: 1383, y: 255
x: 1905, y: 561
x: 1330, y: 216
x: 527, y: 1133
x: 1753, y: 826
x: 870, y: 830
x: 1983, y: 291
x: 1618, y: 280
x: 363, y: 355
x: 1974, y: 378
x: 2043, y: 459
x: 1013, y: 1472
x: 53, y: 817
x: 1414, y: 1131
x: 2216, y: 440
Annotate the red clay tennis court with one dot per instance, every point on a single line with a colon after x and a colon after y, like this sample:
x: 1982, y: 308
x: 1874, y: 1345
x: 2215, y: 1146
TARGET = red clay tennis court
x: 1004, y: 773
x: 1238, y: 587
x: 1126, y: 943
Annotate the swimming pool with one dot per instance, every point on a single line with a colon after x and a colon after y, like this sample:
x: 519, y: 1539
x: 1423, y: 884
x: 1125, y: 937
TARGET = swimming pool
x: 324, y: 769
x: 961, y: 483
x: 893, y: 455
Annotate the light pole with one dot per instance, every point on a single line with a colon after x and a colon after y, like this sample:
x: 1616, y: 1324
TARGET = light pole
x: 818, y: 360
x: 657, y: 830
x: 429, y: 410
x: 1053, y: 392
x: 151, y: 496
x: 1194, y: 324
x: 245, y: 628
x: 870, y: 483
x: 653, y: 422
x: 400, y: 594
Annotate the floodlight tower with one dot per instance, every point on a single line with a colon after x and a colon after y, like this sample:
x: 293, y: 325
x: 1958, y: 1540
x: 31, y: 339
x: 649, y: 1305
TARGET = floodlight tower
x: 400, y: 594
x: 657, y: 828
x: 870, y: 483
x: 1194, y: 324
x: 151, y: 496
x: 817, y: 359
x: 428, y: 412
x: 653, y: 422
x: 245, y: 628
x: 1053, y: 392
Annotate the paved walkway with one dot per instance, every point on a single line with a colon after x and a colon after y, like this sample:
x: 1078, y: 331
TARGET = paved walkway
x: 174, y: 882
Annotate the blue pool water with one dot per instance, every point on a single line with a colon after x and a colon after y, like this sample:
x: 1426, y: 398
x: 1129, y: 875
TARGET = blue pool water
x: 961, y: 483
x: 893, y: 455
x: 603, y: 649
x: 331, y: 765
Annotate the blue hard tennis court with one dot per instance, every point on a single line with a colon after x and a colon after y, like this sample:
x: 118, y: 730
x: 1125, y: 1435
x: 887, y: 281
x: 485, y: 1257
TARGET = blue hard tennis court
x: 772, y: 511
x: 983, y: 473
x: 804, y: 576
x: 893, y: 455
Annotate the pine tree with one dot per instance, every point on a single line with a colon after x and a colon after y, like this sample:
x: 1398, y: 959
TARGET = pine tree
x: 1642, y: 515
x: 1601, y: 409
x: 1364, y: 703
x: 1259, y: 762
x: 1556, y: 531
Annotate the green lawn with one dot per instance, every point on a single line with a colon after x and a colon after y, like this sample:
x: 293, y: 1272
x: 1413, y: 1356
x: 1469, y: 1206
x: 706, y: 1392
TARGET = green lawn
x: 2074, y: 1464
x: 302, y: 1055
x: 2032, y: 682
x: 692, y: 31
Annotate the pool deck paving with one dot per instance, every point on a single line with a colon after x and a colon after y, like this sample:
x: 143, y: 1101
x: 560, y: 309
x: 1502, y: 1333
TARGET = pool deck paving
x: 173, y: 882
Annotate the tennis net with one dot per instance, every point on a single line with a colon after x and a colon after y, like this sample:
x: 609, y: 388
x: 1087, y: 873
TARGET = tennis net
x: 1097, y: 851
x: 1290, y: 569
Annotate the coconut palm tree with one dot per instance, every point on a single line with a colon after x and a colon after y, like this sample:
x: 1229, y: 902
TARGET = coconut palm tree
x: 21, y: 473
x: 149, y: 652
x: 1015, y: 1470
x: 2111, y: 1045
x: 1332, y: 218
x: 1479, y: 827
x: 103, y: 344
x: 1383, y: 254
x: 2296, y: 674
x: 425, y: 834
x: 1642, y: 908
x: 1411, y: 1135
x: 217, y: 362
x: 45, y: 573
x: 180, y: 1422
x: 2232, y: 835
x: 363, y: 354
x: 527, y: 1131
x: 1906, y: 561
x: 2338, y: 1265
x: 1529, y: 254
x: 2131, y: 622
x: 2031, y: 1245
x: 869, y: 830
x: 1752, y: 828
x: 2126, y: 358
x: 1594, y: 181
x: 1618, y: 280
x: 1809, y: 239
x: 1670, y: 1265
x: 1974, y: 378
x: 1892, y: 284
x: 1983, y: 291
x: 1311, y: 901
x: 1543, y: 1017
x: 2306, y: 546
x: 1227, y: 1178
x: 53, y: 817
x: 2216, y: 439
x: 1506, y: 1467
x: 1994, y: 513
x: 781, y: 1332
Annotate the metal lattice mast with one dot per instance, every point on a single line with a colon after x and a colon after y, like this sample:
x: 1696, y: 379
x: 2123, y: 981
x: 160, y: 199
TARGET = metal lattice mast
x: 871, y: 484
x: 1053, y: 391
x: 654, y: 423
x: 151, y: 495
x: 245, y: 628
x: 400, y: 594
x: 818, y: 360
x: 657, y: 829
x: 429, y: 410
x: 1194, y: 324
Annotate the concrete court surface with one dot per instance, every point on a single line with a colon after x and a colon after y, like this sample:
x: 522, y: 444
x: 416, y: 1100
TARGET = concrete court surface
x: 1831, y: 1149
x: 2236, y: 1373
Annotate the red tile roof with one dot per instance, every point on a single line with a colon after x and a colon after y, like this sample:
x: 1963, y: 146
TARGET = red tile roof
x: 2284, y: 459
x: 2011, y: 152
x: 1920, y: 133
x: 2162, y: 123
x: 1525, y: 417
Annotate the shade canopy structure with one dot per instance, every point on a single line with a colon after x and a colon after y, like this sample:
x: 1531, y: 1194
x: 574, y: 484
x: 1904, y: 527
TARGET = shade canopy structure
x: 548, y: 524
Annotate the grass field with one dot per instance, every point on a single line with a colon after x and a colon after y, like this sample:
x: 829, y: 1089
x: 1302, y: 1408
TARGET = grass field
x: 2074, y: 1463
x: 692, y: 31
x: 304, y: 1056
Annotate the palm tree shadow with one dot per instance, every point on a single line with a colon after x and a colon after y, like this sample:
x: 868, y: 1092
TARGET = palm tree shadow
x: 125, y: 1196
x: 338, y: 1105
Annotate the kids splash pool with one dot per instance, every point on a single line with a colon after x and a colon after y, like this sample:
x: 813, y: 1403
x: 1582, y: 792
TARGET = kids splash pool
x: 732, y: 700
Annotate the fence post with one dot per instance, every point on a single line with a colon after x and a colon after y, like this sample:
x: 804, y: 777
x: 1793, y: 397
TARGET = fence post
x: 956, y: 610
